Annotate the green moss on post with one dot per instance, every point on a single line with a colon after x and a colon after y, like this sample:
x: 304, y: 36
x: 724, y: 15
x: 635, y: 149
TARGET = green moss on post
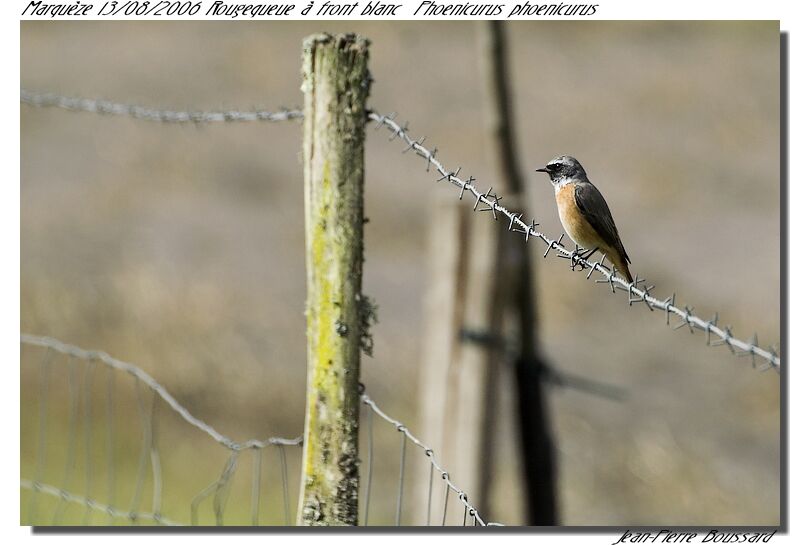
x: 336, y: 85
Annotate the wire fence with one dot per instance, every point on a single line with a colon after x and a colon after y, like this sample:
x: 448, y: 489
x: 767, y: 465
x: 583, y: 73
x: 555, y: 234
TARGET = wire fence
x: 637, y: 291
x: 150, y: 455
x: 105, y: 107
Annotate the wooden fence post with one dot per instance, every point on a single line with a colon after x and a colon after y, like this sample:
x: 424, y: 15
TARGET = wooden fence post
x: 336, y: 85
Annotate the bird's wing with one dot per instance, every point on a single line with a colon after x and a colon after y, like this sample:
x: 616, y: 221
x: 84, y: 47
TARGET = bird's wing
x: 594, y: 208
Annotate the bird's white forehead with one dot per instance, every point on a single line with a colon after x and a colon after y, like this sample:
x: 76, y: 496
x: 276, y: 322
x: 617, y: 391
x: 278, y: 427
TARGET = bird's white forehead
x: 562, y: 159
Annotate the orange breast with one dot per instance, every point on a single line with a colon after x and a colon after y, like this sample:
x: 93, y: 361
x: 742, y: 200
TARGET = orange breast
x: 576, y: 226
x: 582, y: 232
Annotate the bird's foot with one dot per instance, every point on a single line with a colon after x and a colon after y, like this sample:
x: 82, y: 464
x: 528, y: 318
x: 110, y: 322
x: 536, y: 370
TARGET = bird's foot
x: 580, y: 256
x: 588, y: 253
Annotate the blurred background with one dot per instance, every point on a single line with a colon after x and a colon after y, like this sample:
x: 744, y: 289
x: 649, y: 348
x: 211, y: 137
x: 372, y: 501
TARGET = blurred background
x: 180, y: 249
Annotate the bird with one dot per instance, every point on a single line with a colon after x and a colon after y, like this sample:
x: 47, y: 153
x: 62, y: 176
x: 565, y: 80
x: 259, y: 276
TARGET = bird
x: 584, y: 213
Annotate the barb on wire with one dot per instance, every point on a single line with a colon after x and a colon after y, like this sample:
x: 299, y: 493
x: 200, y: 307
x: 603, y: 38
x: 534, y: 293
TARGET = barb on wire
x: 634, y: 292
x: 449, y: 485
x: 105, y: 107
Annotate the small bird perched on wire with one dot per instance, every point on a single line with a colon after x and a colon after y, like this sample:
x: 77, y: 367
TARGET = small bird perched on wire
x: 584, y: 213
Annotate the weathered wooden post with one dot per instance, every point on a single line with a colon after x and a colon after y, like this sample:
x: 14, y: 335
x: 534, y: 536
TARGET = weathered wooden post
x: 336, y: 85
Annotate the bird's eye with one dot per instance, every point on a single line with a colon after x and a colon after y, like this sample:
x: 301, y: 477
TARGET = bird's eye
x: 556, y: 166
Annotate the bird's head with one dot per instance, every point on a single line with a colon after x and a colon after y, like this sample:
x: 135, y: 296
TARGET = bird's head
x: 563, y: 169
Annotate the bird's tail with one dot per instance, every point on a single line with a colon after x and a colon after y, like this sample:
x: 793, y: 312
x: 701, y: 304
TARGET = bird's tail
x: 623, y: 268
x: 620, y: 261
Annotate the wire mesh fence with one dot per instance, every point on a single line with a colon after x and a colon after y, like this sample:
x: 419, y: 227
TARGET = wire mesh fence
x: 95, y: 407
x: 105, y: 421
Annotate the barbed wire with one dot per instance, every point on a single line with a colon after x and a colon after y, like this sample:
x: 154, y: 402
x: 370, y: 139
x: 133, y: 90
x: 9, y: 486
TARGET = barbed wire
x: 636, y: 294
x: 219, y: 488
x: 97, y: 106
x: 489, y: 201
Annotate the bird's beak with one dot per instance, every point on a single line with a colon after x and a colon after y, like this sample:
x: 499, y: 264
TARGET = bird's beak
x: 542, y: 170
